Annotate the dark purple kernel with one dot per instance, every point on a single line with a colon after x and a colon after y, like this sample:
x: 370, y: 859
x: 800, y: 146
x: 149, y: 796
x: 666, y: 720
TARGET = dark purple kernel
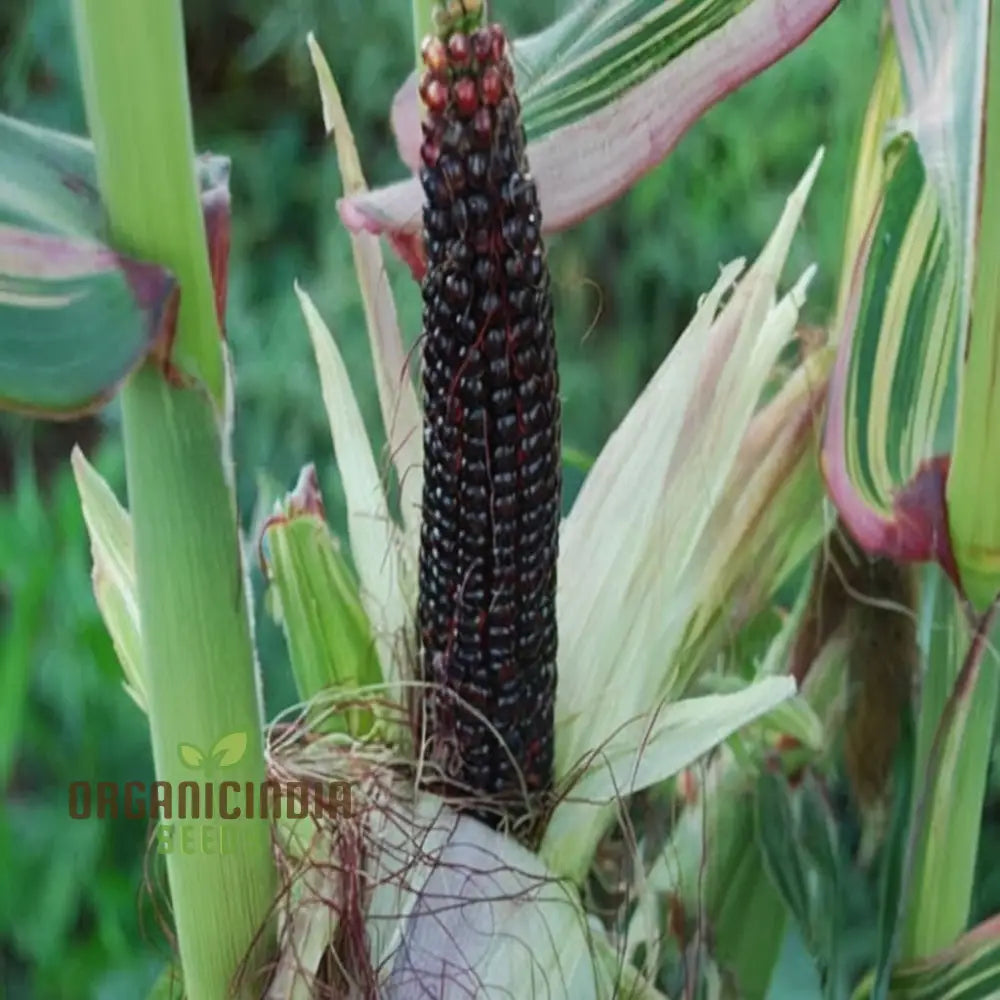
x: 489, y: 537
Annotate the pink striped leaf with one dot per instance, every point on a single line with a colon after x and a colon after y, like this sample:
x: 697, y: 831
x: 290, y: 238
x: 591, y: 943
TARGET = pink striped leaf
x: 906, y: 285
x: 607, y: 92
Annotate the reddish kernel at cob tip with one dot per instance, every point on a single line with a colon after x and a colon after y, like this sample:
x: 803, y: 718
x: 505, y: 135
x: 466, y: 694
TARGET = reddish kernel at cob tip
x: 459, y: 51
x: 434, y: 54
x: 489, y: 537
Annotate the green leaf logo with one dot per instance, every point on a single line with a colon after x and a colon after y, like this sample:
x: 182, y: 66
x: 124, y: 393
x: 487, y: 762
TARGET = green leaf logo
x: 226, y: 752
x: 229, y: 750
x: 191, y: 756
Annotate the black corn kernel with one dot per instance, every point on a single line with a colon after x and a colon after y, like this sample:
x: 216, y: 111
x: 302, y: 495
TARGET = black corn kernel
x: 492, y: 481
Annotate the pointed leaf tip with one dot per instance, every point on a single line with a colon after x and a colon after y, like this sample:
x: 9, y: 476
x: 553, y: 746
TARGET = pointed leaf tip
x: 397, y: 399
x: 110, y: 531
x: 324, y: 78
x: 384, y: 570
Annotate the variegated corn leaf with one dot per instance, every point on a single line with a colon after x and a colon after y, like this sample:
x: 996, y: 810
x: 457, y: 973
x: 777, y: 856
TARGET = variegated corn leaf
x: 110, y: 530
x: 906, y: 286
x: 872, y: 170
x: 607, y: 91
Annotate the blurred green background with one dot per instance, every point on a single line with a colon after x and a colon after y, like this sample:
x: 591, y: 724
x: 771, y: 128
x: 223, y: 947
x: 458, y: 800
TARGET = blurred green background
x: 75, y: 919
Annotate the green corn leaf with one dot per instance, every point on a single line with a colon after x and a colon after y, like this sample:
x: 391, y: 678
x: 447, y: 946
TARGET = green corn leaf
x: 781, y: 853
x: 168, y: 985
x: 114, y: 579
x: 75, y: 316
x: 328, y: 635
x: 607, y: 91
x: 905, y: 299
x: 801, y: 853
x: 712, y: 867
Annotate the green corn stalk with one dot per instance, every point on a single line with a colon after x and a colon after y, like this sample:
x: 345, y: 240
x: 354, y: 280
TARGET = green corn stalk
x: 196, y: 632
x: 975, y: 464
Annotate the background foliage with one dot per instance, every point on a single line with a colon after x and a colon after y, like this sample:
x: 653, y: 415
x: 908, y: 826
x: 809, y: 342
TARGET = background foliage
x: 74, y: 919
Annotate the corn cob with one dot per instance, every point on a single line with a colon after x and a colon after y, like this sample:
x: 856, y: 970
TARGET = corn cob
x: 491, y: 437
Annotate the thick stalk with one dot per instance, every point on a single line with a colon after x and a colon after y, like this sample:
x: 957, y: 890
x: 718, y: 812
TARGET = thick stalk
x: 958, y: 722
x: 197, y: 641
x: 974, y: 478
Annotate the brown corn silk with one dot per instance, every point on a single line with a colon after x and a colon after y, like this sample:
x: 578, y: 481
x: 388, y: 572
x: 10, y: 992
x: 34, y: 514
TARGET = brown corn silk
x: 492, y: 483
x: 872, y: 602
